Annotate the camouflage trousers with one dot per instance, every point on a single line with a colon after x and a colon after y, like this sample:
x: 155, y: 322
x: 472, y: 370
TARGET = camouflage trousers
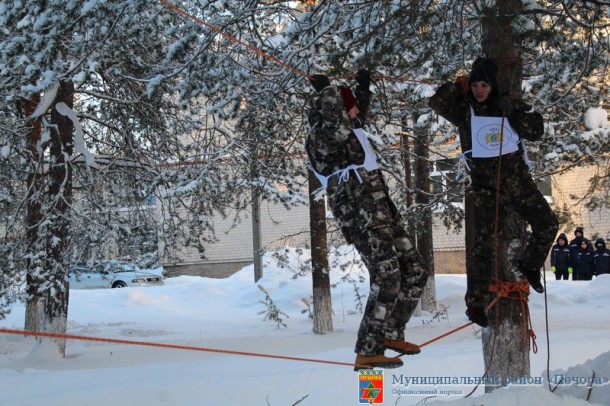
x: 397, y: 279
x: 518, y: 192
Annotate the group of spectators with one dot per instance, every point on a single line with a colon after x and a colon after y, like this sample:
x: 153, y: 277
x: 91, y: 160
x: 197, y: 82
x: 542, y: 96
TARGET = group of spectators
x: 579, y: 257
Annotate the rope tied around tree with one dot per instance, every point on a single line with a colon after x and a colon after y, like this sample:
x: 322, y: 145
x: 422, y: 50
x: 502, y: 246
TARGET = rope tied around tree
x: 520, y: 291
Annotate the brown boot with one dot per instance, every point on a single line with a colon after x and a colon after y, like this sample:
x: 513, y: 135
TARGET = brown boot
x: 402, y: 347
x: 376, y: 361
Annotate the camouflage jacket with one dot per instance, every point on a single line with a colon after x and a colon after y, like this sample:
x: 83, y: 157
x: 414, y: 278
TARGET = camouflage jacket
x: 331, y: 144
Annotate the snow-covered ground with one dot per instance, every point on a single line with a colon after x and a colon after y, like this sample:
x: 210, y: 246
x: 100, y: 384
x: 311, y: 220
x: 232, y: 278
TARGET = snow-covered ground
x: 225, y: 314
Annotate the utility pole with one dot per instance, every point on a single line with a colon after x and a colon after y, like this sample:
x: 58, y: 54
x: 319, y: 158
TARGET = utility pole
x: 256, y: 234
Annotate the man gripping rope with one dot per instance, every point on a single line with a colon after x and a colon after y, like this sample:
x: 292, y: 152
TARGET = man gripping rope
x: 344, y: 162
x: 491, y: 128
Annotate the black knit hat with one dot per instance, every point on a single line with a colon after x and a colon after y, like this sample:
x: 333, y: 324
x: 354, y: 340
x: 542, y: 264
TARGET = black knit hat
x: 319, y: 82
x: 486, y: 70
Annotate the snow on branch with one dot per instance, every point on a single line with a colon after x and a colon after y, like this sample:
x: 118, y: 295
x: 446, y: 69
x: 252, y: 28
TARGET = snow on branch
x: 595, y: 117
x: 45, y: 102
x: 79, y: 140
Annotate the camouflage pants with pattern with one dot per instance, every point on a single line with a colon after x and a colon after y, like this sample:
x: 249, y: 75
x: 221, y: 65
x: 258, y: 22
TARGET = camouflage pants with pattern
x: 397, y: 278
x: 518, y: 192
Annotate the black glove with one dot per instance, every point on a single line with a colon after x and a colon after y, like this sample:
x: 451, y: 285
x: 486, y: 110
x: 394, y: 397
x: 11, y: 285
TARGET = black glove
x: 505, y: 105
x: 363, y: 77
x: 319, y: 82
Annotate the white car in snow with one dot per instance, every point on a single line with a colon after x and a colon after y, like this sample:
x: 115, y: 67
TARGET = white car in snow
x: 110, y: 274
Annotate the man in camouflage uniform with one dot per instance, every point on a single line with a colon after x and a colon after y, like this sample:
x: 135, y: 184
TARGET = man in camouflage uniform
x: 465, y: 103
x: 360, y: 203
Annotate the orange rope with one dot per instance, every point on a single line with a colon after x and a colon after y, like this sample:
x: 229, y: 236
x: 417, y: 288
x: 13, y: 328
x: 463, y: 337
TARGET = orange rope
x: 493, y: 302
x: 406, y: 79
x: 495, y: 253
x: 518, y: 291
x: 446, y: 334
x: 277, y: 60
x: 172, y: 346
x: 506, y: 289
x: 205, y: 349
x: 234, y: 39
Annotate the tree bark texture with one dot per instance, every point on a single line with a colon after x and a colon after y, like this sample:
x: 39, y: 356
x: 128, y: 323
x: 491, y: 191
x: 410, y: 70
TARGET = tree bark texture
x: 506, y: 352
x: 406, y: 161
x: 424, y: 241
x: 505, y: 348
x: 503, y: 43
x: 47, y: 307
x: 33, y: 219
x: 322, y: 304
x: 33, y: 179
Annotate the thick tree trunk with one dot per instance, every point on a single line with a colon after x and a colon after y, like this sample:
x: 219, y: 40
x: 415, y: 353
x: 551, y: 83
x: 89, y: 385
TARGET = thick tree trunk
x: 506, y: 357
x: 505, y: 349
x: 33, y: 216
x: 322, y: 304
x: 410, y: 199
x: 425, y: 244
x: 47, y: 307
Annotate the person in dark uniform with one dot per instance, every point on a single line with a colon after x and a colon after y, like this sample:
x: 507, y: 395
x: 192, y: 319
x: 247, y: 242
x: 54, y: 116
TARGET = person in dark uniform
x: 583, y: 262
x: 561, y: 258
x: 344, y: 162
x: 579, y: 235
x: 491, y: 128
x: 601, y: 258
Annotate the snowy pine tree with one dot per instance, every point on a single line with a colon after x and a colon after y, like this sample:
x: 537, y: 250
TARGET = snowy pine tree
x: 170, y: 110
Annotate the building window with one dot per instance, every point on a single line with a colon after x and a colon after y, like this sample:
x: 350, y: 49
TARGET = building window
x: 444, y: 183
